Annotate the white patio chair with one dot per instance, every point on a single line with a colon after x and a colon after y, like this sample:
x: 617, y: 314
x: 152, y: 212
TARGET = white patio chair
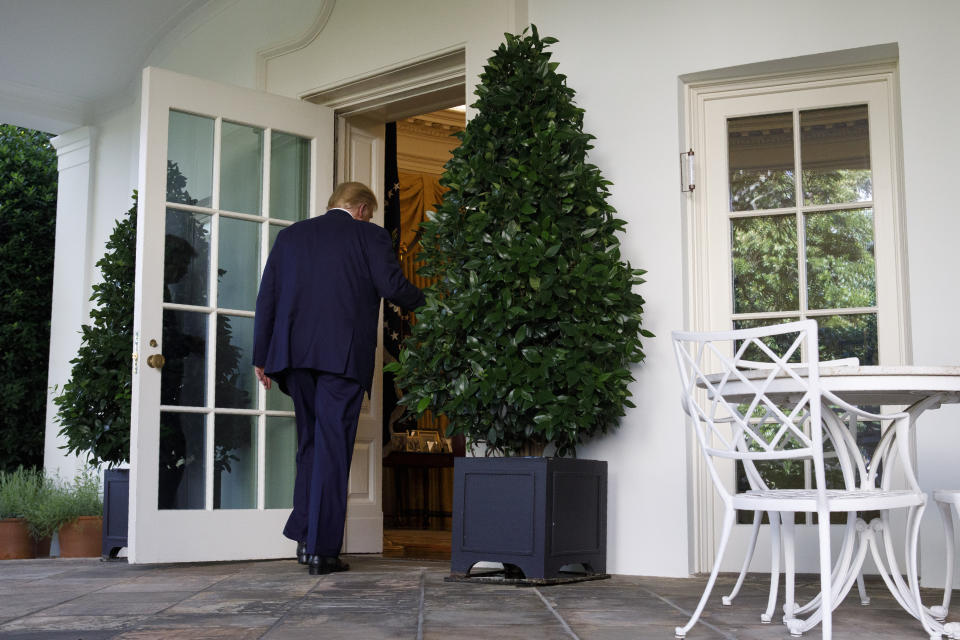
x: 736, y: 417
x: 847, y: 440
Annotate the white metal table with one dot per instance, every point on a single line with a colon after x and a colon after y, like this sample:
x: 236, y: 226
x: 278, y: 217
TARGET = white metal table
x: 918, y: 388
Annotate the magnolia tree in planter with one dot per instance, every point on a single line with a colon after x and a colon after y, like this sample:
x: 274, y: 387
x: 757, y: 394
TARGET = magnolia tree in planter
x: 528, y: 337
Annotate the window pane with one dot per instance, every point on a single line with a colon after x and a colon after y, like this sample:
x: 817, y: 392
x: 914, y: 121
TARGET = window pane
x: 241, y: 168
x: 236, y: 382
x: 840, y: 263
x: 182, y: 461
x: 186, y: 257
x: 239, y: 257
x: 765, y: 275
x: 849, y: 336
x: 277, y: 400
x: 235, y: 462
x: 190, y: 159
x: 280, y: 461
x: 274, y: 230
x: 182, y: 379
x: 835, y: 155
x: 289, y: 176
x: 760, y: 157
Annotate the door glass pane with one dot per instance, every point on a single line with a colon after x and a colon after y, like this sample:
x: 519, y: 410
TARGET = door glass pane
x: 765, y: 275
x: 182, y: 379
x: 849, y: 336
x: 182, y: 461
x: 235, y: 462
x: 760, y: 154
x: 840, y: 262
x: 241, y: 168
x: 189, y: 159
x: 289, y: 176
x: 186, y: 257
x: 835, y: 155
x: 280, y: 462
x: 274, y: 230
x: 277, y: 400
x: 236, y: 381
x: 239, y: 269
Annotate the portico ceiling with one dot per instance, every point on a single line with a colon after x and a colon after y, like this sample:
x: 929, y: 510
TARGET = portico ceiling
x: 63, y: 60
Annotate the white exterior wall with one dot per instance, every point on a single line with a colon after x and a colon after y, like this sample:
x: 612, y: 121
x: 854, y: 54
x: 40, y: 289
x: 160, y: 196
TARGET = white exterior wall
x: 624, y: 58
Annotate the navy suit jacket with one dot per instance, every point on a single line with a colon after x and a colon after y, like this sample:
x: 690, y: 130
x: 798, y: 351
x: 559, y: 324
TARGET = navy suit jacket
x: 319, y: 300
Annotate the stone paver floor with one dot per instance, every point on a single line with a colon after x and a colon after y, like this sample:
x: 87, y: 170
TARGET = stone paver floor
x: 59, y: 599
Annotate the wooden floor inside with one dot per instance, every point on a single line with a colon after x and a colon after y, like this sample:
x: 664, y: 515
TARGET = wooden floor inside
x: 414, y: 543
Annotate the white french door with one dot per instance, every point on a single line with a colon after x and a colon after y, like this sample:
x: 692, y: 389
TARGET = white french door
x: 796, y: 217
x: 222, y: 170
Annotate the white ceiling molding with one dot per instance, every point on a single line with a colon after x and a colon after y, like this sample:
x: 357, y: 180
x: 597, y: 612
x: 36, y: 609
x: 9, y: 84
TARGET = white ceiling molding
x: 288, y: 46
x: 41, y: 109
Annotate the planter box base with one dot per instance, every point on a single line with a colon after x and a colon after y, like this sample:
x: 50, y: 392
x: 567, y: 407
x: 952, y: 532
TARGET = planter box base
x: 535, y: 516
x: 501, y: 577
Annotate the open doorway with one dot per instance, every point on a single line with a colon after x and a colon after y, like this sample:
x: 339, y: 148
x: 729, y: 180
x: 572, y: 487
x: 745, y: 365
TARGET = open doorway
x: 418, y: 459
x: 427, y: 116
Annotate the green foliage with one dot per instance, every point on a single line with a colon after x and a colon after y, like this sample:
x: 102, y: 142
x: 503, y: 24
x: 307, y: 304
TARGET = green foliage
x: 94, y: 407
x: 81, y: 497
x: 19, y: 491
x: 28, y: 214
x: 54, y: 503
x: 529, y: 335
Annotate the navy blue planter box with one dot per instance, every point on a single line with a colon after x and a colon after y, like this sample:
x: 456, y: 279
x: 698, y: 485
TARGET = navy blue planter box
x: 537, y: 514
x: 116, y: 507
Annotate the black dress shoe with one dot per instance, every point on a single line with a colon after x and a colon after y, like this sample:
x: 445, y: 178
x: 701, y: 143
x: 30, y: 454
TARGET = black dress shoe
x: 322, y: 565
x: 302, y: 557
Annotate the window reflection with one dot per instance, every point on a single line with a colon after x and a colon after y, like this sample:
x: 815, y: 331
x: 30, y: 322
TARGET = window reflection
x: 835, y: 155
x: 186, y: 257
x: 765, y: 275
x: 236, y: 383
x: 235, y: 462
x: 183, y: 376
x: 182, y: 461
x: 840, y: 263
x: 760, y: 155
x: 189, y: 159
x: 280, y: 462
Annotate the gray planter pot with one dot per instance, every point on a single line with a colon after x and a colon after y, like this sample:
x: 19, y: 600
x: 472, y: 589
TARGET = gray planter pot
x: 536, y: 514
x: 116, y: 507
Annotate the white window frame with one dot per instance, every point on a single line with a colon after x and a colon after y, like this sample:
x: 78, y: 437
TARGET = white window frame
x: 706, y: 307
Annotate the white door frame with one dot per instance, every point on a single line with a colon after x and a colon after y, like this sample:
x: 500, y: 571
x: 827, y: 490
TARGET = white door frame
x: 362, y: 107
x: 704, y: 282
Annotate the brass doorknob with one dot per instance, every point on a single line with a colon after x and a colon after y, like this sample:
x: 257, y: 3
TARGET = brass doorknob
x: 156, y: 361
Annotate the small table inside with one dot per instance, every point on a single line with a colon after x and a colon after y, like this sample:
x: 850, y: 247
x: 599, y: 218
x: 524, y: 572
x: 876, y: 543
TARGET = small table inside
x: 401, y: 462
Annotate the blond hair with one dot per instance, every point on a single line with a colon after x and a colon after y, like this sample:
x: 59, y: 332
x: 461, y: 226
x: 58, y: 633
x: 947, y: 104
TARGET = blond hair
x: 352, y: 194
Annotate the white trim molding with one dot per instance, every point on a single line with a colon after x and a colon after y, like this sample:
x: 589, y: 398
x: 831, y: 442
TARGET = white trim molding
x: 429, y: 83
x: 288, y: 46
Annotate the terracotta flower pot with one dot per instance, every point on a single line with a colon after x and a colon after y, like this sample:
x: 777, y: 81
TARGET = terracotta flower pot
x: 82, y: 538
x: 15, y: 539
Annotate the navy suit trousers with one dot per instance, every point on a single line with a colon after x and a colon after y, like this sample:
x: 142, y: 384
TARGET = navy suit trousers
x: 327, y: 409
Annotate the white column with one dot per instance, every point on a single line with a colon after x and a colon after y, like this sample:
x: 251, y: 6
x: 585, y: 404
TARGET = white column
x: 72, y: 275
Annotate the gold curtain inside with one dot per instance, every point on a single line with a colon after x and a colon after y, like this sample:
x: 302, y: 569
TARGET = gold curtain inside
x: 419, y: 193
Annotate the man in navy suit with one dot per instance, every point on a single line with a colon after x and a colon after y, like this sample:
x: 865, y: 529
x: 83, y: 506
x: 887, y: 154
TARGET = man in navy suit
x: 315, y: 334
